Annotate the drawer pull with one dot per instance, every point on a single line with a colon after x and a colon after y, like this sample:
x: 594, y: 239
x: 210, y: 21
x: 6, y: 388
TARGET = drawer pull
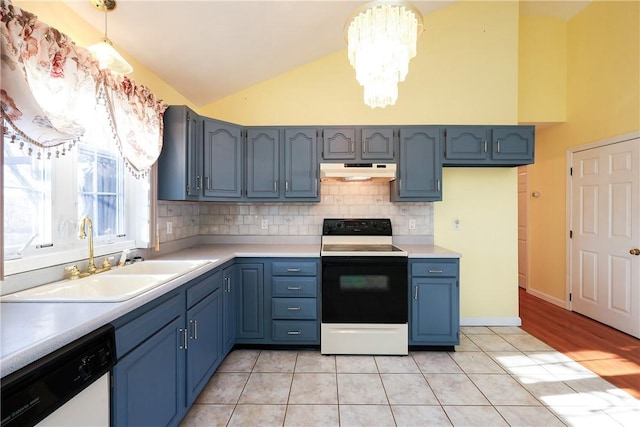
x: 294, y: 270
x: 294, y: 288
x: 435, y: 271
x: 293, y: 332
x: 294, y: 308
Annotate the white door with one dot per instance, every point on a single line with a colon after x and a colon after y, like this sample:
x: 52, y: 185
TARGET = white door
x: 523, y: 224
x: 605, y: 221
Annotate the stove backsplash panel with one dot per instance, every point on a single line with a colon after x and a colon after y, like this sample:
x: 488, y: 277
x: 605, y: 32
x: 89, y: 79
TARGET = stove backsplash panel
x: 338, y: 200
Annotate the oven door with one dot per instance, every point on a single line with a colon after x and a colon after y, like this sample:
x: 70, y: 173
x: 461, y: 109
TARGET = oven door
x: 364, y: 289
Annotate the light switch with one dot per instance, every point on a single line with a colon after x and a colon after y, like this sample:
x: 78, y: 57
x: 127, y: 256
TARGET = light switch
x: 412, y: 223
x: 264, y: 224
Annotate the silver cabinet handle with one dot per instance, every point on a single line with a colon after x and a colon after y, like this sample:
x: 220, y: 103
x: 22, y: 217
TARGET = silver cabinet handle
x: 293, y: 332
x: 438, y: 184
x: 208, y: 188
x: 353, y: 146
x: 184, y: 344
x: 194, y: 327
x: 275, y: 186
x: 415, y: 292
x: 364, y: 146
x: 485, y: 145
x: 294, y: 288
x: 198, y: 182
x: 435, y: 271
x: 498, y: 146
x: 293, y: 270
x: 294, y: 308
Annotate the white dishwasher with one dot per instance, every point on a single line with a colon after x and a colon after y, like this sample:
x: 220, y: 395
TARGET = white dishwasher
x: 69, y: 387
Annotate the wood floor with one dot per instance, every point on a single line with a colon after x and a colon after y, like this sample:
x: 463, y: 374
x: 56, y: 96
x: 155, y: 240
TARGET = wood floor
x: 612, y: 354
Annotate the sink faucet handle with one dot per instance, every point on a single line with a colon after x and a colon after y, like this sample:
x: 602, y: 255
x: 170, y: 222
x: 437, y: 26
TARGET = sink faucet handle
x: 74, y: 272
x: 123, y: 258
x: 106, y: 263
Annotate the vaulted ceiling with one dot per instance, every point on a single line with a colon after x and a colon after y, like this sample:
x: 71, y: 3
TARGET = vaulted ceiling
x: 209, y: 49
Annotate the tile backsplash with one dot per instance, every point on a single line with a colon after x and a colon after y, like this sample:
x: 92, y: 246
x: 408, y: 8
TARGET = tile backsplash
x: 338, y: 200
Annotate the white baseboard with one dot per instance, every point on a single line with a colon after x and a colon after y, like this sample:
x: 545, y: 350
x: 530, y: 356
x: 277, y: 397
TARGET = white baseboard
x: 548, y: 298
x: 490, y: 321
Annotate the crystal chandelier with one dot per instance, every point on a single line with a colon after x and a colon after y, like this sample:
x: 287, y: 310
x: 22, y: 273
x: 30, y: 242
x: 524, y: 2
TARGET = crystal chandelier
x: 382, y: 39
x: 104, y: 51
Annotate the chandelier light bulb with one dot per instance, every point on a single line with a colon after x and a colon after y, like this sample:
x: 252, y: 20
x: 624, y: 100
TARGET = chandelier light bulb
x: 381, y: 41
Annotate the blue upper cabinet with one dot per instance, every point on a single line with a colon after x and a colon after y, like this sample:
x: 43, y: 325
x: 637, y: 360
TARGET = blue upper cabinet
x: 263, y: 163
x: 300, y: 163
x: 377, y: 144
x: 488, y: 145
x: 420, y: 167
x: 282, y: 164
x: 339, y: 144
x: 222, y: 160
x: 358, y: 144
x: 513, y: 144
x: 180, y: 162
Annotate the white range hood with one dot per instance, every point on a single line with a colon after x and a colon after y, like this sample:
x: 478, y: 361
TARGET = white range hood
x: 357, y: 171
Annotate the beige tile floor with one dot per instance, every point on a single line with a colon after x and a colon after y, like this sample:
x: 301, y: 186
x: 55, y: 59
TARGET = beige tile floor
x: 496, y: 377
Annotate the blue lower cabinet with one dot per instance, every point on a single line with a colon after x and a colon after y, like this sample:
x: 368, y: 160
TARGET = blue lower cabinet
x: 434, y: 302
x: 250, y: 310
x: 204, y: 344
x: 295, y: 331
x: 148, y: 383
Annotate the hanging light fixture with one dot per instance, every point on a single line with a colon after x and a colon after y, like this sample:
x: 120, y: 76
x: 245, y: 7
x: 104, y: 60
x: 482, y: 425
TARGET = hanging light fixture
x: 381, y: 38
x: 104, y: 52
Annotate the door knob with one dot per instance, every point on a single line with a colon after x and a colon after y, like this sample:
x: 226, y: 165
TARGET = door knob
x: 635, y: 251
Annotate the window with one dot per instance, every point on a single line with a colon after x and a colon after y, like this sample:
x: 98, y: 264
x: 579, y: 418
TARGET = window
x: 27, y: 193
x: 47, y: 199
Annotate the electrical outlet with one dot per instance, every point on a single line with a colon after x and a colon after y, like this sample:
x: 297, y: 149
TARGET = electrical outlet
x: 169, y: 227
x: 456, y: 224
x: 412, y: 224
x: 264, y: 224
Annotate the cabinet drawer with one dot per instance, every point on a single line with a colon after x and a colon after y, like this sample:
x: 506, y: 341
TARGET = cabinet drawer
x: 204, y: 287
x: 287, y: 330
x: 295, y: 268
x: 435, y: 269
x: 295, y: 286
x: 294, y: 308
x: 138, y: 330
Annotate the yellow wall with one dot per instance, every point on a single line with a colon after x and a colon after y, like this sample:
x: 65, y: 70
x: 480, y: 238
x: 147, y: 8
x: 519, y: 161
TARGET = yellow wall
x: 603, y: 100
x: 59, y: 16
x: 542, y: 71
x: 466, y: 72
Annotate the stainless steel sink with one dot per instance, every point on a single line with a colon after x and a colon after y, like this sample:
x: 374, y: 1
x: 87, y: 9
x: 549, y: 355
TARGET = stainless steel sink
x: 118, y: 284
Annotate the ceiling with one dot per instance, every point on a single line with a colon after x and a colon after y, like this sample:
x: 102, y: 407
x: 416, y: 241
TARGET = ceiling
x: 209, y: 49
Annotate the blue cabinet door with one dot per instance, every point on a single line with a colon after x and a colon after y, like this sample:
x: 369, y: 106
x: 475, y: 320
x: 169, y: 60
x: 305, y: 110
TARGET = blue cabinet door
x: 263, y: 163
x: 435, y: 317
x: 228, y: 310
x: 180, y: 162
x: 148, y: 384
x: 420, y: 167
x: 377, y: 144
x: 513, y: 143
x: 339, y: 143
x: 250, y: 315
x: 467, y: 143
x: 222, y: 176
x: 300, y: 163
x: 204, y: 348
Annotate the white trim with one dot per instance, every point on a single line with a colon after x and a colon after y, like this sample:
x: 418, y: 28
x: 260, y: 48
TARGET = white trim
x: 490, y: 321
x: 547, y: 298
x: 570, y: 152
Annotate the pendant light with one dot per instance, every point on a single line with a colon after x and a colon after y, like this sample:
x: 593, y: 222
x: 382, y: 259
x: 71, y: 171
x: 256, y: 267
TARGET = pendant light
x: 104, y: 51
x: 381, y: 38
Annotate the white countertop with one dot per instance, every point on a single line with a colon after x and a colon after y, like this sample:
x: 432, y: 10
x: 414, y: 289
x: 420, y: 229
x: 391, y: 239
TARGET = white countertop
x: 29, y: 331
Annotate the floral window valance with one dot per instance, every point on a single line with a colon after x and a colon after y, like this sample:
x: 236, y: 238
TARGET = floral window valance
x: 53, y: 93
